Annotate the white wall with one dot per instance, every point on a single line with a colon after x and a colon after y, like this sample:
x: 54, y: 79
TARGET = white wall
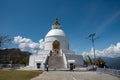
x: 31, y: 60
x: 38, y: 58
x: 78, y: 59
x: 65, y: 60
x: 63, y: 42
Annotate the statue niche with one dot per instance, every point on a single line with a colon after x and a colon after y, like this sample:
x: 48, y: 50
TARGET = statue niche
x: 56, y: 45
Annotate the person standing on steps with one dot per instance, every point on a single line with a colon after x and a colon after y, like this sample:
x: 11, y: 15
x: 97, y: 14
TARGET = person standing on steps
x: 47, y: 67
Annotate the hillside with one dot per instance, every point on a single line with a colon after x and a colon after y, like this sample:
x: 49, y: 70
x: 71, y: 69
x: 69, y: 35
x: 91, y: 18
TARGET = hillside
x: 14, y: 55
x: 113, y: 63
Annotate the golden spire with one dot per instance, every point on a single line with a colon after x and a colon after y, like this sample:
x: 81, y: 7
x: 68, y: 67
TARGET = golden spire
x: 56, y: 22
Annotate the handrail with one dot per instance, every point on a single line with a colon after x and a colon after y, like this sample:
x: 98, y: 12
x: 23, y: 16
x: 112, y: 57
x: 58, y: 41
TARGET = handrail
x: 113, y: 72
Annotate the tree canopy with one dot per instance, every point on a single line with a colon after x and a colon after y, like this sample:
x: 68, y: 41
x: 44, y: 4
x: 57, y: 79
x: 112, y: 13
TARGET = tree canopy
x: 99, y: 62
x: 4, y: 41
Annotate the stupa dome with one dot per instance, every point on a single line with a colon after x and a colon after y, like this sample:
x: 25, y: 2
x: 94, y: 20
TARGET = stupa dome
x: 56, y: 32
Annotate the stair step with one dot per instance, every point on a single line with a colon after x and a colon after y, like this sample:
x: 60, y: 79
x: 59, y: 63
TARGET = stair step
x: 56, y: 62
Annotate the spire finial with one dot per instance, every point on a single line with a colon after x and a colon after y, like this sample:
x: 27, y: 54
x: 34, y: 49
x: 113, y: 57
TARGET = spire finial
x: 56, y: 22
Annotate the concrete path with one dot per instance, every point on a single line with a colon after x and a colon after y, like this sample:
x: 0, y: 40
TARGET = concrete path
x: 68, y: 75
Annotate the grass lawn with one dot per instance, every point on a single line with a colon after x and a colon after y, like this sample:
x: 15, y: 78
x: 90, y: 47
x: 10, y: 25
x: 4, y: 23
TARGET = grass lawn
x: 18, y: 75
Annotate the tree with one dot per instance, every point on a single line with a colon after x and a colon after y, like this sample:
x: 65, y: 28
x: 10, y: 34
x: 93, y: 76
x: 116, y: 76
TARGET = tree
x: 100, y: 63
x: 25, y: 60
x: 4, y: 40
x: 90, y: 62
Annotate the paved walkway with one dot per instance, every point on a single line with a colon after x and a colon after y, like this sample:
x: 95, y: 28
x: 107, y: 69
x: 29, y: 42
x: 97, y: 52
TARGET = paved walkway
x: 68, y: 75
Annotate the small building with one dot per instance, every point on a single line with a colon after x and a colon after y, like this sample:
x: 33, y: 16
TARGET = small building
x: 56, y: 53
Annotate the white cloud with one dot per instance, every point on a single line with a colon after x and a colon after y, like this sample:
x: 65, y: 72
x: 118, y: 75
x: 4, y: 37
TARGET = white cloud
x: 111, y: 51
x: 28, y: 45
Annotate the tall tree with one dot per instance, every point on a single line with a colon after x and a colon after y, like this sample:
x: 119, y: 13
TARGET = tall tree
x: 4, y: 41
x: 100, y: 62
x: 90, y: 60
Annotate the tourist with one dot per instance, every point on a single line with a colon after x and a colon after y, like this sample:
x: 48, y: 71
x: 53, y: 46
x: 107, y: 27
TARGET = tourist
x: 47, y: 67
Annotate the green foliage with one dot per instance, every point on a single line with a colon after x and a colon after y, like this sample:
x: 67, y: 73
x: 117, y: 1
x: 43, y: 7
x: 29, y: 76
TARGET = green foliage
x: 99, y: 62
x: 25, y: 60
x: 90, y: 62
x: 15, y: 56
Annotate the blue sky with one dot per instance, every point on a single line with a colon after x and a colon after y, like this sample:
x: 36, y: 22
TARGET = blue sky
x: 33, y: 19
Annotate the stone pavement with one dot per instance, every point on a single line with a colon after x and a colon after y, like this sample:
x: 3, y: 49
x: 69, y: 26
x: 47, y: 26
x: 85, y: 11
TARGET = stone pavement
x: 71, y: 75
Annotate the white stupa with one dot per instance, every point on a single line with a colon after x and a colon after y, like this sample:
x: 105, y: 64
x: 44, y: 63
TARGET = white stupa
x: 56, y: 53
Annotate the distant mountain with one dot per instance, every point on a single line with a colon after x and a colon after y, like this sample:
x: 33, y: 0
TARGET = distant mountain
x: 113, y: 63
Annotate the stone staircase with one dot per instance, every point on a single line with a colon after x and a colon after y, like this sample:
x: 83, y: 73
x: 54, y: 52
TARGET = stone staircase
x: 56, y: 62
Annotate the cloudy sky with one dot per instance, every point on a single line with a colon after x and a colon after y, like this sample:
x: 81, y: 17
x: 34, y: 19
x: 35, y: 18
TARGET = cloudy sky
x: 28, y: 21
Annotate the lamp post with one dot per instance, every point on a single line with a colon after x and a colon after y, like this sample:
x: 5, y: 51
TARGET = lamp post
x: 92, y: 38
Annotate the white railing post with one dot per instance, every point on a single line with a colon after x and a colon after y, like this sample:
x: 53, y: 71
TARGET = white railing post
x: 65, y: 61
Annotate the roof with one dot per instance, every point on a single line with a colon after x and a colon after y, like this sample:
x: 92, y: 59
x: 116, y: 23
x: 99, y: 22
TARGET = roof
x: 56, y: 32
x: 71, y: 61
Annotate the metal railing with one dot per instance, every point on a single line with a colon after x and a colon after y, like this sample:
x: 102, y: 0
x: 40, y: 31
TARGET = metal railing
x: 109, y: 71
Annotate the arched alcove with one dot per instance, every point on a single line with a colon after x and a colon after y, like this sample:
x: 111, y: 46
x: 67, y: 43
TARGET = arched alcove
x: 56, y: 45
